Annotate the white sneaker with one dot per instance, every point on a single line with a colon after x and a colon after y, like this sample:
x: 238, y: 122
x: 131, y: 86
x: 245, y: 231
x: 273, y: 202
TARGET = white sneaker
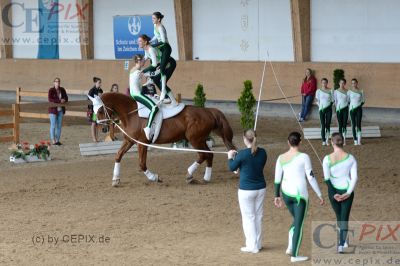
x: 346, y: 245
x: 147, y: 132
x: 323, y: 143
x: 298, y: 259
x: 289, y: 252
x: 249, y: 250
x: 355, y: 142
x: 340, y: 249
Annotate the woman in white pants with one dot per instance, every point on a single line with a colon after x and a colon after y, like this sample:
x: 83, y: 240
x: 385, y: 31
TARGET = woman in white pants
x: 251, y: 193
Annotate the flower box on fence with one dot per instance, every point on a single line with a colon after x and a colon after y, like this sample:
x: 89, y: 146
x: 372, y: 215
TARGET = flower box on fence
x: 25, y: 153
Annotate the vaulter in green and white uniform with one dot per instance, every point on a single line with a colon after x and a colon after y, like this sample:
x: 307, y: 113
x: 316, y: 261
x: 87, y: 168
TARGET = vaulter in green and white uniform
x: 135, y: 88
x: 341, y: 100
x: 291, y: 171
x: 340, y: 174
x: 160, y: 40
x: 357, y: 100
x: 324, y: 99
x: 152, y: 71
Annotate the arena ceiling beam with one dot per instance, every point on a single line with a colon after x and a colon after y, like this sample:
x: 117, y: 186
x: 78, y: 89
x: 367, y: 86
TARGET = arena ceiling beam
x: 6, y: 49
x: 85, y: 16
x: 301, y: 28
x: 183, y: 18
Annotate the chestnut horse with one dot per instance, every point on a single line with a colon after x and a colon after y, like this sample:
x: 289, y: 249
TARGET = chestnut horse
x: 193, y: 123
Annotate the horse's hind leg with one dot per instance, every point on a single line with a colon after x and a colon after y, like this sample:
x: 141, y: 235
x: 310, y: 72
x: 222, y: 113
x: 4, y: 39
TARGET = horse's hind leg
x: 126, y: 145
x: 207, y: 173
x: 202, y: 157
x: 192, y: 168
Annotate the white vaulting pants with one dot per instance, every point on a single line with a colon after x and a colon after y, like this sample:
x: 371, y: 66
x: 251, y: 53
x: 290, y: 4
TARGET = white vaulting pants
x: 251, y: 204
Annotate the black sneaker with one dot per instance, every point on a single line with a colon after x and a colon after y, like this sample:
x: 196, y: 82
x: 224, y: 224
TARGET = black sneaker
x: 58, y: 143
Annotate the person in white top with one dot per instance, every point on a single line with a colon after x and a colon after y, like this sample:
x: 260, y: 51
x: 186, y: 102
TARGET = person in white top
x: 154, y: 70
x: 341, y: 99
x: 160, y: 41
x: 135, y: 88
x: 324, y: 99
x: 340, y: 174
x: 291, y: 171
x: 357, y: 100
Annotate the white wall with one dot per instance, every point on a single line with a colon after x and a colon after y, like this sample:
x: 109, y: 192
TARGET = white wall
x: 220, y: 31
x: 68, y: 33
x: 355, y: 31
x: 104, y: 10
x: 26, y: 44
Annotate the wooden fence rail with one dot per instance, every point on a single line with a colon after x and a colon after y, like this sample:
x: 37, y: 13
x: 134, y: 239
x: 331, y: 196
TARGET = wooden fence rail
x: 14, y: 113
x: 36, y: 110
x: 24, y: 110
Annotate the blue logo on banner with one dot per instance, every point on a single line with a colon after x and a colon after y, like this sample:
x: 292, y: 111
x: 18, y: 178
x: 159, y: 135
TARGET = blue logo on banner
x: 127, y: 30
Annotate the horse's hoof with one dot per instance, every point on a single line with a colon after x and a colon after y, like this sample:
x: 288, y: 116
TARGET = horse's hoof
x: 116, y: 183
x: 189, y: 179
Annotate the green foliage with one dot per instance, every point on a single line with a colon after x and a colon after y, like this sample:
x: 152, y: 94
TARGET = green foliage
x: 246, y: 104
x: 199, y: 96
x: 18, y: 154
x: 337, y: 75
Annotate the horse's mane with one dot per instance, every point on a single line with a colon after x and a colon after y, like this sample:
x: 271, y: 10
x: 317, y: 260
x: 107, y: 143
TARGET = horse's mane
x: 118, y: 100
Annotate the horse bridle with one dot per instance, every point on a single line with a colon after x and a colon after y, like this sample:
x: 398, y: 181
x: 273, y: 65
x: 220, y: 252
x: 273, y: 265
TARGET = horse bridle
x: 108, y: 117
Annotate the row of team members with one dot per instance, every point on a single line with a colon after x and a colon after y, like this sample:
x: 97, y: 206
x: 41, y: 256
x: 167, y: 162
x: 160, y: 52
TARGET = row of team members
x: 291, y: 171
x: 346, y: 101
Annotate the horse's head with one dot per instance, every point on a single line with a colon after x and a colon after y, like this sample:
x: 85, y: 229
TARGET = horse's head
x: 100, y: 109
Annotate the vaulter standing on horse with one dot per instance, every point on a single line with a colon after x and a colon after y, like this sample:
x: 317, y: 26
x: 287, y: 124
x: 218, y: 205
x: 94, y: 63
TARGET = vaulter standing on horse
x: 166, y: 63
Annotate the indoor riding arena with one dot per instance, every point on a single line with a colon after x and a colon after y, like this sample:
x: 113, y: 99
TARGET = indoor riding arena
x: 199, y: 132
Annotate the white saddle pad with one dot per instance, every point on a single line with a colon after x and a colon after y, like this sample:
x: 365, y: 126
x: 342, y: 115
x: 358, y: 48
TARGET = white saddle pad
x: 167, y: 111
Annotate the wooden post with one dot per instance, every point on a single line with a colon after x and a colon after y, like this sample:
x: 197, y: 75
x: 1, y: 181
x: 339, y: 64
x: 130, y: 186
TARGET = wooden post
x: 179, y: 98
x: 18, y: 95
x: 183, y: 19
x: 86, y: 28
x: 301, y: 28
x: 15, y: 108
x: 6, y: 46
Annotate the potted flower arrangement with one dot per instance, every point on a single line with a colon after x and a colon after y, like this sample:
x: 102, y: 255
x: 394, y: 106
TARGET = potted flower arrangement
x: 22, y: 153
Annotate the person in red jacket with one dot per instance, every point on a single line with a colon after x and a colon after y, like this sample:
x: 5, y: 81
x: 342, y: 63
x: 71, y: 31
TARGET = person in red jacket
x: 308, y: 89
x: 56, y: 94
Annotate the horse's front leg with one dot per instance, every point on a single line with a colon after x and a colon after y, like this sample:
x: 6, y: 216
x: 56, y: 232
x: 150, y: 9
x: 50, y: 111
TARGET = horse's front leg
x: 142, y: 151
x: 126, y: 145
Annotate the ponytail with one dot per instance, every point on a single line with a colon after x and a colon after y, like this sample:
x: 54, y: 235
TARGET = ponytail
x: 254, y: 146
x: 251, y: 137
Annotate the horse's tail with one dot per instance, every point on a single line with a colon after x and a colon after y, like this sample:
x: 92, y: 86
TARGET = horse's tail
x: 222, y: 128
